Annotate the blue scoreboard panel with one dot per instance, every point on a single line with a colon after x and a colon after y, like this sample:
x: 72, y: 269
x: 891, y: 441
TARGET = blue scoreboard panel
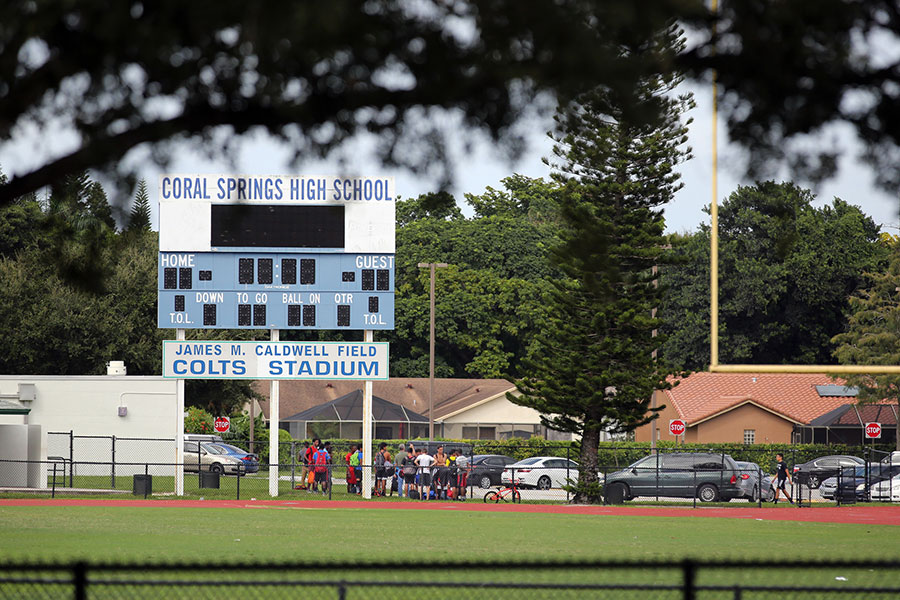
x: 276, y: 252
x: 247, y: 290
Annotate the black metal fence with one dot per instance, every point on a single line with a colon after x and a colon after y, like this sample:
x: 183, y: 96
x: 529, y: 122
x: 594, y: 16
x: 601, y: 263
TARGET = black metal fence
x: 109, y: 464
x: 687, y: 579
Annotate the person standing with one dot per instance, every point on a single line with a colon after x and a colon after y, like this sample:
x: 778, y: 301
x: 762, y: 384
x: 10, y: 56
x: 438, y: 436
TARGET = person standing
x: 409, y: 472
x: 424, y: 462
x: 350, y: 459
x: 399, y: 462
x: 379, y: 469
x: 304, y: 460
x: 782, y: 475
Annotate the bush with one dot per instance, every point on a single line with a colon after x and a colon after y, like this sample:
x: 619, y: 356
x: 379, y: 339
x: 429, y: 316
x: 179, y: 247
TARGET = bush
x: 198, y: 421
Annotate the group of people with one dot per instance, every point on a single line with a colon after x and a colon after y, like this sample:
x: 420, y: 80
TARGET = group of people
x: 410, y: 472
x: 423, y: 476
x: 315, y: 475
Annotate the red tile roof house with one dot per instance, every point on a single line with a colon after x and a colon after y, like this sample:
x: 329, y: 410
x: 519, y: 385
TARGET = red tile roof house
x: 765, y: 408
x: 463, y: 408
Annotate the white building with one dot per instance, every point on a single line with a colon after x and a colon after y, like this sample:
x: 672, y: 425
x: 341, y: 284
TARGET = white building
x: 99, y: 413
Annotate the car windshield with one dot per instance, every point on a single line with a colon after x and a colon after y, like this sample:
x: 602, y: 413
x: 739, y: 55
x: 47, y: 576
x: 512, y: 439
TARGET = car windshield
x: 214, y: 449
x: 233, y: 449
x: 647, y: 461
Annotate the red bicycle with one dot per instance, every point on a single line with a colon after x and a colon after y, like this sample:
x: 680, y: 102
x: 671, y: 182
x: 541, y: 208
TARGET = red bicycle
x: 507, y: 494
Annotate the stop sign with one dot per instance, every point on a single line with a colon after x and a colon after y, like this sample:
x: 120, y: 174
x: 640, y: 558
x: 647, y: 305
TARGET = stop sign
x: 873, y: 430
x: 677, y: 427
x: 222, y: 424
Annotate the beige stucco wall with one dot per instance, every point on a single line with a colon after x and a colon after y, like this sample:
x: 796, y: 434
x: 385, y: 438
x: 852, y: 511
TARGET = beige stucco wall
x: 642, y: 434
x: 725, y: 428
x: 729, y: 427
x: 497, y: 410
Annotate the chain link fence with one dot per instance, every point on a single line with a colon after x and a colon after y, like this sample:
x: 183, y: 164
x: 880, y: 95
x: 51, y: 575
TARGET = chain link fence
x: 686, y: 579
x: 528, y: 473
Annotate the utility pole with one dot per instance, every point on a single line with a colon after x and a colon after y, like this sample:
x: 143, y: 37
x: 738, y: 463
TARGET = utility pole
x: 431, y: 267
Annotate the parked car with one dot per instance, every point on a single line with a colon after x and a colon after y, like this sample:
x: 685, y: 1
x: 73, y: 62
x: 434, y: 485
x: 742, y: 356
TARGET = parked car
x: 218, y: 457
x: 542, y: 472
x: 486, y: 469
x: 814, y: 472
x: 856, y: 480
x: 850, y: 479
x: 704, y: 475
x: 749, y: 482
x: 887, y: 490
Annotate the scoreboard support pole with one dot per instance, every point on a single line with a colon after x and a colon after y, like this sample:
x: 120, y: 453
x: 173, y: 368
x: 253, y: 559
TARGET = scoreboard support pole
x: 179, y: 428
x: 274, y: 419
x: 368, y: 457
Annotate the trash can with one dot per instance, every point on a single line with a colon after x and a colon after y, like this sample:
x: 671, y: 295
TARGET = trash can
x: 143, y: 485
x: 615, y: 493
x: 846, y: 494
x: 209, y: 480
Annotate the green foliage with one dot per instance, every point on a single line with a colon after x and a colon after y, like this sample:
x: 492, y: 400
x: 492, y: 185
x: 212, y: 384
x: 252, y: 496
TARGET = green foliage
x: 872, y: 336
x: 595, y: 369
x: 198, y: 420
x: 315, y: 79
x: 139, y: 218
x: 261, y: 446
x: 489, y: 301
x: 786, y: 270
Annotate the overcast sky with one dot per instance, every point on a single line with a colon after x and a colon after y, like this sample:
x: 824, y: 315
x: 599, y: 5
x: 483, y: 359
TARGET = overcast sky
x: 482, y: 166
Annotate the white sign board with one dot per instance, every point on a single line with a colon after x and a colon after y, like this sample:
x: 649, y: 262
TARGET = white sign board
x: 275, y: 360
x: 187, y: 204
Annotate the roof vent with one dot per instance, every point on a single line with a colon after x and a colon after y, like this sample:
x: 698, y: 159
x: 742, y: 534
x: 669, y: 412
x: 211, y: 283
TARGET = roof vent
x: 409, y: 386
x: 116, y: 367
x: 753, y: 379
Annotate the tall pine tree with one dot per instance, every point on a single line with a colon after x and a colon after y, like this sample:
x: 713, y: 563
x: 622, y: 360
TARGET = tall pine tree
x: 139, y: 219
x: 873, y: 334
x: 596, y: 369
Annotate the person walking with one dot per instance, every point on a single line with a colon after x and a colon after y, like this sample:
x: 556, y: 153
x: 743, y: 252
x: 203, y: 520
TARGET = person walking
x: 782, y: 475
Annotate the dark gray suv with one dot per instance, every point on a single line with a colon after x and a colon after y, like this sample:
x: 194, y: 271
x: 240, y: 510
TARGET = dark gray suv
x: 705, y: 475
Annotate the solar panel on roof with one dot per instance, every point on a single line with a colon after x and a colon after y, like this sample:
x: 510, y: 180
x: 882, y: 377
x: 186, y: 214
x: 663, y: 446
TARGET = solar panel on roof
x: 829, y: 391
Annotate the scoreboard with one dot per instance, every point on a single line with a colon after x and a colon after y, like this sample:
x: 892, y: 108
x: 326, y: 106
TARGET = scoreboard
x: 276, y: 252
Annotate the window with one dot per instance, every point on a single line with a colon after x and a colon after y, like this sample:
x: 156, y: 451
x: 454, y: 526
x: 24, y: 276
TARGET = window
x: 749, y: 436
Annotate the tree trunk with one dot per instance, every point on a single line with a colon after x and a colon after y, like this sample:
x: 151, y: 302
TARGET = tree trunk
x: 587, y: 490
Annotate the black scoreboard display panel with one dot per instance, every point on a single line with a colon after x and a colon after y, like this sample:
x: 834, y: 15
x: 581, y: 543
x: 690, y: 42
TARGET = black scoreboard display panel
x: 267, y: 226
x: 276, y: 252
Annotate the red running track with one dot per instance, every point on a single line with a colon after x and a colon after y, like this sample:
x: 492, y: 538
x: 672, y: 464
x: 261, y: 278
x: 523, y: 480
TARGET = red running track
x: 864, y: 515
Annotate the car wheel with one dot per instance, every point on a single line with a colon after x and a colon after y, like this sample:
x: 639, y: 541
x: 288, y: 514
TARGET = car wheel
x: 484, y: 482
x: 770, y: 494
x: 814, y: 482
x: 754, y: 498
x: 707, y: 493
x: 216, y: 468
x: 543, y: 483
x: 492, y: 496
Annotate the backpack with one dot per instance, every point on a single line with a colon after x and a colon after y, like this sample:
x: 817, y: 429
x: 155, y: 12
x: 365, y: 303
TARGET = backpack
x: 321, y: 459
x: 354, y: 459
x: 379, y: 459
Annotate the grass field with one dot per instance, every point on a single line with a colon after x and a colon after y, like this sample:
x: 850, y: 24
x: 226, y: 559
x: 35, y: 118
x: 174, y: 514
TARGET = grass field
x: 286, y: 533
x: 417, y: 543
